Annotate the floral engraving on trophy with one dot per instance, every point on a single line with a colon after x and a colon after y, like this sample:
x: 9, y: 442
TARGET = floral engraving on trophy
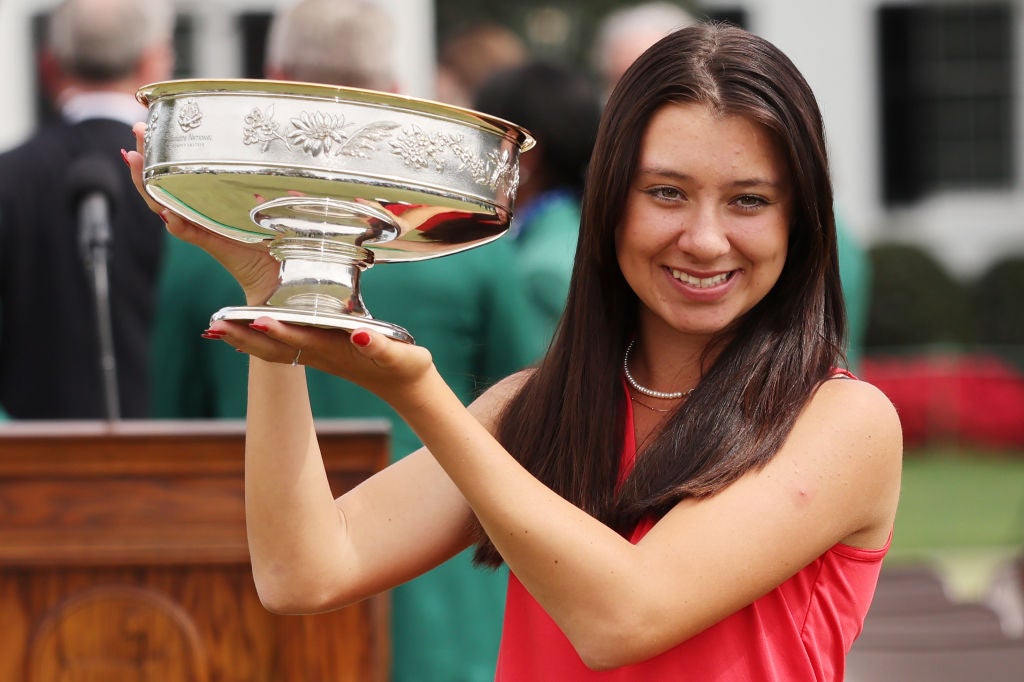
x: 190, y: 117
x: 419, y: 149
x: 315, y: 133
x: 319, y: 133
x: 499, y: 171
x: 261, y: 128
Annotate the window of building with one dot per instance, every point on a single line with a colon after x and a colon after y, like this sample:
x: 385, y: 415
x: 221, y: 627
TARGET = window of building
x: 947, y: 98
x: 254, y: 27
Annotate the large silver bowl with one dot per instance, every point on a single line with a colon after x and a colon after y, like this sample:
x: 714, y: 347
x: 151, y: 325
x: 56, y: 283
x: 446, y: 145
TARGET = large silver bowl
x: 332, y: 179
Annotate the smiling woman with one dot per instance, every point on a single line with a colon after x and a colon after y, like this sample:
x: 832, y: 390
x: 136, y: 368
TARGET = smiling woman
x: 731, y: 529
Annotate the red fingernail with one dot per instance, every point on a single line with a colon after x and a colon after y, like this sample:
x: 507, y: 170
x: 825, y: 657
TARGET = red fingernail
x: 124, y: 155
x: 213, y: 334
x: 163, y: 215
x: 361, y: 338
x: 259, y: 327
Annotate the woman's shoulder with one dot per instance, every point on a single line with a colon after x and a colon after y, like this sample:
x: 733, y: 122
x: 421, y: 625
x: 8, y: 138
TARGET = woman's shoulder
x: 856, y: 400
x: 854, y: 410
x: 491, y: 403
x: 512, y: 384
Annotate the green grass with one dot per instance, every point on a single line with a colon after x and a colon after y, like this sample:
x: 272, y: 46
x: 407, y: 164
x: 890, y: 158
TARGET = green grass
x: 962, y: 510
x: 961, y: 499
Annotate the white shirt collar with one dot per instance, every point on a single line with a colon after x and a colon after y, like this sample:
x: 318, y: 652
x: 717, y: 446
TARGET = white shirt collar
x: 118, y: 106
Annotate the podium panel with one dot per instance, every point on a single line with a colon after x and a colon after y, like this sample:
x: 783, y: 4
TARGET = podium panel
x: 123, y: 557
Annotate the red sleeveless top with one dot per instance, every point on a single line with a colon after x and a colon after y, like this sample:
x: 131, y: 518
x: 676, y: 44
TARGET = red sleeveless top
x: 801, y: 630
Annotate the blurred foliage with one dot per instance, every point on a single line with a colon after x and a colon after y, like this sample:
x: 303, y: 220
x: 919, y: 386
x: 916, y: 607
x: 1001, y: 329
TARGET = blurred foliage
x: 914, y: 300
x: 997, y: 297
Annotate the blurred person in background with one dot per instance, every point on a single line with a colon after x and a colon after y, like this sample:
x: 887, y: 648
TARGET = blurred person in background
x: 472, y: 54
x: 624, y: 33
x: 97, y: 53
x: 561, y: 107
x: 340, y: 43
x: 622, y: 36
x: 467, y: 307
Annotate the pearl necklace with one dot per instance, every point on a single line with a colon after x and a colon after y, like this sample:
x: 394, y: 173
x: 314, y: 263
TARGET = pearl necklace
x: 661, y: 395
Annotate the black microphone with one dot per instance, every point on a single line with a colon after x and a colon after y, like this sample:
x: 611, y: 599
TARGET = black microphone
x: 94, y: 194
x: 93, y: 189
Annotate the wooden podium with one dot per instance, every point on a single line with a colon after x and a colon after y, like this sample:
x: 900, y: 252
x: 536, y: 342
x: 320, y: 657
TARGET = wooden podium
x: 123, y: 559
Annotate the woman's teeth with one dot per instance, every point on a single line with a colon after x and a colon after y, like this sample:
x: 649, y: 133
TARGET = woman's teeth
x: 700, y: 282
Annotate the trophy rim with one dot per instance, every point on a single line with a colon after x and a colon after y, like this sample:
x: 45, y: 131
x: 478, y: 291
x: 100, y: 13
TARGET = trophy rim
x: 153, y: 92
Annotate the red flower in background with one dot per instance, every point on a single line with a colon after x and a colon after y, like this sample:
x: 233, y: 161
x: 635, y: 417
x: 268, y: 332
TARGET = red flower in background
x: 964, y: 399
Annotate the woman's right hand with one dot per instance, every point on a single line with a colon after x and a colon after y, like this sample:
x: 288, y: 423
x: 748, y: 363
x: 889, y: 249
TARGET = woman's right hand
x: 252, y: 265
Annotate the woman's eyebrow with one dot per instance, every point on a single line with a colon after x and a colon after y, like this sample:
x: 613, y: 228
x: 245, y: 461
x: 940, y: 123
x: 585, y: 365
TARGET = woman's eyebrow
x: 678, y: 175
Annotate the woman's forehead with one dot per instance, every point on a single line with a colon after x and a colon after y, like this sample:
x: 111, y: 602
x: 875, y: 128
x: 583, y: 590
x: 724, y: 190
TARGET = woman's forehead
x: 691, y: 137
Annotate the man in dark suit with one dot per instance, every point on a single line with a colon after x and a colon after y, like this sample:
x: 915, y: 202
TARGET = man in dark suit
x: 97, y: 54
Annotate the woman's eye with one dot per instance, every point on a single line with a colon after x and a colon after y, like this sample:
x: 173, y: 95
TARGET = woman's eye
x: 750, y: 202
x: 667, y: 193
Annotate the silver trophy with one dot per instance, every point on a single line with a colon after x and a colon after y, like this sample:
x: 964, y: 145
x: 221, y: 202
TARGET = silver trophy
x: 333, y: 180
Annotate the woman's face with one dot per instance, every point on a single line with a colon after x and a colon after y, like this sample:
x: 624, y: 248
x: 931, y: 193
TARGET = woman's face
x: 706, y: 223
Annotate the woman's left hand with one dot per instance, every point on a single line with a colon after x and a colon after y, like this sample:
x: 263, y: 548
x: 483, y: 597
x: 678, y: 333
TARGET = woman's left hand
x: 365, y: 357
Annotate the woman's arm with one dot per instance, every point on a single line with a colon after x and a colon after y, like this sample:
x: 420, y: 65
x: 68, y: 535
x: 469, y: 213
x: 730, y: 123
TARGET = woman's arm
x: 835, y: 479
x: 310, y: 552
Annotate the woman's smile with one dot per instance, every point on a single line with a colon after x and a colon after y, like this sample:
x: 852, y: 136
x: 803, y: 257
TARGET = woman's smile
x: 701, y: 281
x: 703, y: 287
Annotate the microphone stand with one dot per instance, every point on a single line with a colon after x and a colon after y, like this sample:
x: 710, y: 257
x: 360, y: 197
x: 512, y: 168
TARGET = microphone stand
x: 94, y: 221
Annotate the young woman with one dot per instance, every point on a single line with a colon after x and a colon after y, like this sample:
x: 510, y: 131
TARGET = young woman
x: 687, y: 486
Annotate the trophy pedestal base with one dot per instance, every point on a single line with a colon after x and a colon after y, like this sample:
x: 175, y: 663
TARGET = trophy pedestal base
x: 313, y: 318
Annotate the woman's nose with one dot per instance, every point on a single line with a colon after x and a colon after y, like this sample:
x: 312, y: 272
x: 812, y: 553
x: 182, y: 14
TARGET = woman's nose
x: 703, y: 235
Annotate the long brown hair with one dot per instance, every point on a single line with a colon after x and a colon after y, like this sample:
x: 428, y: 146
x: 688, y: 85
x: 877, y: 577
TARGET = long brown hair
x: 566, y: 424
